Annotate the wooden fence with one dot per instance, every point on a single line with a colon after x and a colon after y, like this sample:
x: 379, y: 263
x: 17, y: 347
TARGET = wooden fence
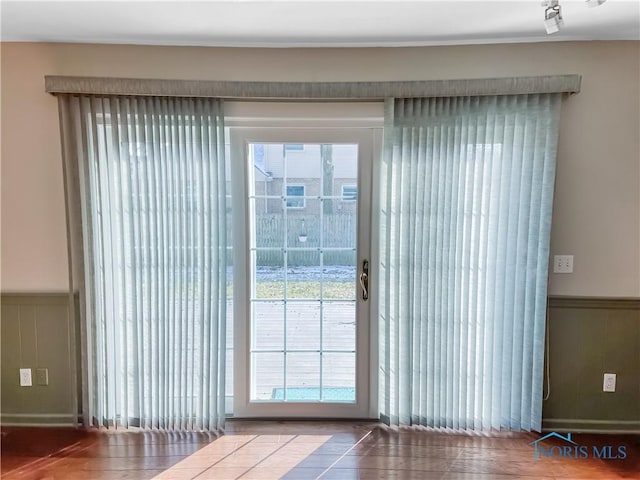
x: 303, y: 232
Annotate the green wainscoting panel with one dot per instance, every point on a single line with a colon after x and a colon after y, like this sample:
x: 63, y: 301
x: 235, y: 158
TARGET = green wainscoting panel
x: 587, y: 338
x: 36, y: 333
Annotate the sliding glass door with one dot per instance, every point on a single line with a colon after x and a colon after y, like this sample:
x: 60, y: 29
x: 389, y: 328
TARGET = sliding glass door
x: 302, y: 309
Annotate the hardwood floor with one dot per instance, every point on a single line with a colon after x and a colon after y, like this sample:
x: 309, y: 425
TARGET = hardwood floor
x: 267, y: 450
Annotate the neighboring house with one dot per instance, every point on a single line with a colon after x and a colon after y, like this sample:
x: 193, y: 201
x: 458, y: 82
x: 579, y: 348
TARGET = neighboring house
x: 304, y: 180
x: 300, y: 171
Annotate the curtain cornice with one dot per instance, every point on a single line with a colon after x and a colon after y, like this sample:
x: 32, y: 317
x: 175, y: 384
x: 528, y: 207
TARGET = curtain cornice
x: 321, y: 91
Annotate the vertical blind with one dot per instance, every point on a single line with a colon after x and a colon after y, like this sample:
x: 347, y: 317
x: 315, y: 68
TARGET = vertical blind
x: 146, y: 177
x: 467, y: 189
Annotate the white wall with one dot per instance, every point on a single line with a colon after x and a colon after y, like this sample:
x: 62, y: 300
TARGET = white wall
x: 597, y: 204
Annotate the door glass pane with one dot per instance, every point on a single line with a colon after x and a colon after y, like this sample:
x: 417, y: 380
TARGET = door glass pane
x: 339, y: 333
x: 339, y: 275
x: 267, y: 375
x: 269, y: 223
x: 303, y: 377
x: 304, y: 274
x: 268, y: 335
x: 338, y: 370
x: 303, y: 326
x: 303, y: 204
x: 269, y: 277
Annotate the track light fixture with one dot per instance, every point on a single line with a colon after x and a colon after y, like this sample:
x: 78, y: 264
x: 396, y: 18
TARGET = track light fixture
x: 552, y: 16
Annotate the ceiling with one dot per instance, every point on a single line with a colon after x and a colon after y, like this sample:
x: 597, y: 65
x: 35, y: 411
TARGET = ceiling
x: 311, y: 23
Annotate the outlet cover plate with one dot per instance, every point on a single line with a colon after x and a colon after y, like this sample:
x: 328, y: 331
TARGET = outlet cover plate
x: 42, y: 376
x: 25, y: 377
x: 609, y: 383
x: 563, y: 264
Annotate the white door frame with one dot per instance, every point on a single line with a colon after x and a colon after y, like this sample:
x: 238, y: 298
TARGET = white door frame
x: 368, y: 140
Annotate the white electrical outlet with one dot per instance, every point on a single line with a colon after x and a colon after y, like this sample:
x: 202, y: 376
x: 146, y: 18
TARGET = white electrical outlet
x: 25, y: 377
x: 609, y: 384
x: 563, y: 264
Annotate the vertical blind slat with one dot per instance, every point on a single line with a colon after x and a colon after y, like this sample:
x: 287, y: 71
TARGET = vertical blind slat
x: 465, y: 217
x: 152, y: 183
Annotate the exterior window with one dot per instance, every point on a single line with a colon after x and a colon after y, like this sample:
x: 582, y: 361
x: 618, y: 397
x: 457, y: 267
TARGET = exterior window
x: 295, y: 196
x: 349, y: 193
x: 294, y: 147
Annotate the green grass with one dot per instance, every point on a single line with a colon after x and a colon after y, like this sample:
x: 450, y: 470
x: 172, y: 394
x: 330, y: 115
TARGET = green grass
x: 275, y: 290
x: 333, y: 290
